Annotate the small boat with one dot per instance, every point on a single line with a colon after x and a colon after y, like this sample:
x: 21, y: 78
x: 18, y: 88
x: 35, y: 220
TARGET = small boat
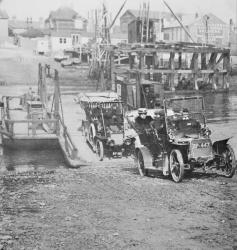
x: 76, y: 61
x: 67, y: 63
x: 60, y: 57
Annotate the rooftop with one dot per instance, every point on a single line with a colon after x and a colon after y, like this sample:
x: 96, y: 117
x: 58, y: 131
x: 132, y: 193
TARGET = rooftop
x: 20, y: 24
x: 3, y: 14
x: 152, y: 14
x: 63, y: 13
x: 189, y: 19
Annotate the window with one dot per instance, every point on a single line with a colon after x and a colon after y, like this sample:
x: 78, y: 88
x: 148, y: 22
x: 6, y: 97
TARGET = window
x: 60, y: 40
x: 65, y: 40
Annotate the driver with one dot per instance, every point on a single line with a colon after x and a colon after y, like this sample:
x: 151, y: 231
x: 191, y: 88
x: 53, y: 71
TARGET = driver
x: 143, y: 120
x: 142, y: 123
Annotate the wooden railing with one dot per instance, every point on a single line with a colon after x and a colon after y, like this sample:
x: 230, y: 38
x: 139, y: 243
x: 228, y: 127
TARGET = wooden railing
x: 70, y: 147
x: 31, y: 129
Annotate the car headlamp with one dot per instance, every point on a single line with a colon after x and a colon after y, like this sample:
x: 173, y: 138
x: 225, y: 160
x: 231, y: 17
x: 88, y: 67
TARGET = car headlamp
x: 111, y: 143
x: 127, y: 142
x: 171, y: 134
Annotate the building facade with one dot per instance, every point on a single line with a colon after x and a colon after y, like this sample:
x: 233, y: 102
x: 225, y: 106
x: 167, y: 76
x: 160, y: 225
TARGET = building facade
x: 131, y: 15
x: 3, y: 26
x: 206, y: 29
x: 65, y: 27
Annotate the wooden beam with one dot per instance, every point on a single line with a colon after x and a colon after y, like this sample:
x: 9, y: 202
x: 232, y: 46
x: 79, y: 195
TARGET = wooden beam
x: 112, y: 67
x: 172, y: 68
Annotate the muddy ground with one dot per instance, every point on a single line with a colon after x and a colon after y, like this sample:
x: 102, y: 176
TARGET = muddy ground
x: 109, y: 206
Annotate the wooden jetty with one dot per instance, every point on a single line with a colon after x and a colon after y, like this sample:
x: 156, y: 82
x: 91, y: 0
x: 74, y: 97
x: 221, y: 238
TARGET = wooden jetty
x: 164, y: 67
x: 148, y: 68
x: 34, y: 122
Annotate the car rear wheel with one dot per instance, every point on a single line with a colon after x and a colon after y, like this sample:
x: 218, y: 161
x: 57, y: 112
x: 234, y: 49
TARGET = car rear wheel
x: 230, y: 161
x: 176, y: 165
x: 140, y: 164
x: 100, y: 150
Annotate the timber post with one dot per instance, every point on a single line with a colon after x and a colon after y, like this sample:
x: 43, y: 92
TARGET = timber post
x: 226, y: 66
x: 56, y: 101
x: 211, y: 65
x: 112, y: 75
x: 39, y: 77
x: 172, y: 67
x: 140, y: 79
x: 195, y: 70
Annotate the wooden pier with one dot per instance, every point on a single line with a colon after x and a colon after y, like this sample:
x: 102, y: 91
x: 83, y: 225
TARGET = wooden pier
x: 163, y: 67
x: 33, y: 121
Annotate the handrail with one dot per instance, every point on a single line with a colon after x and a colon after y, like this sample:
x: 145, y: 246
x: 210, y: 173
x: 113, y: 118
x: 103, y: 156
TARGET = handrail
x: 31, y: 121
x: 68, y: 138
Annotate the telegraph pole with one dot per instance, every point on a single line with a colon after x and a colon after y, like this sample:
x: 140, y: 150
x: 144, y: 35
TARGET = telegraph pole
x: 206, y: 23
x: 235, y: 28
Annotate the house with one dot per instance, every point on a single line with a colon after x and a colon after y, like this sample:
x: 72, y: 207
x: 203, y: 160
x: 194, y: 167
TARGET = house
x: 3, y: 26
x: 20, y: 26
x: 64, y: 28
x: 130, y: 15
x: 139, y: 31
x: 202, y: 28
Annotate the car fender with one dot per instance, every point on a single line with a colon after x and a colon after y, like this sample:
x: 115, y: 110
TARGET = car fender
x: 137, y: 142
x: 147, y: 156
x: 219, y: 146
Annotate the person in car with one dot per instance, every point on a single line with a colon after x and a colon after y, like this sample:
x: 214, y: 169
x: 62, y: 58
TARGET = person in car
x: 143, y: 121
x: 158, y: 122
x: 143, y: 125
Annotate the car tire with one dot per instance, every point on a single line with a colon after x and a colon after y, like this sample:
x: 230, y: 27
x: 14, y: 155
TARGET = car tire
x: 230, y: 160
x: 100, y: 150
x: 140, y: 164
x: 84, y: 132
x: 176, y: 164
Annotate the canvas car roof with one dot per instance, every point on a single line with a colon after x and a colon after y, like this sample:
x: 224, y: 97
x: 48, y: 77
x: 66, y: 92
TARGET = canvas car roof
x: 99, y: 97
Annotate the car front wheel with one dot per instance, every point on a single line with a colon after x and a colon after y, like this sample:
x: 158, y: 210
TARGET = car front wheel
x: 100, y: 149
x: 140, y: 164
x: 176, y: 165
x: 230, y: 161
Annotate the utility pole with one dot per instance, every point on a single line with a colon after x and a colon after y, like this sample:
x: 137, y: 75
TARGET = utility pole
x: 206, y: 23
x: 235, y: 27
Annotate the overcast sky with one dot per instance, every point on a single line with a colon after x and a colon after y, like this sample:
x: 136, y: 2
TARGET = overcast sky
x: 225, y: 9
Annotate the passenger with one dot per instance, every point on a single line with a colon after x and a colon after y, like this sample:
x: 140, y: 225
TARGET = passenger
x: 143, y: 120
x: 159, y: 121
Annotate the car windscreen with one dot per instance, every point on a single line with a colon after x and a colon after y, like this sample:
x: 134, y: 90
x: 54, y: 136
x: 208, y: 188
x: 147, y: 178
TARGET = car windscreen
x: 192, y: 121
x: 193, y: 105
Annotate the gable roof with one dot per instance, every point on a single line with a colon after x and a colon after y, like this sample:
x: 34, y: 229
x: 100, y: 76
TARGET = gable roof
x: 152, y: 14
x: 63, y: 13
x: 3, y: 14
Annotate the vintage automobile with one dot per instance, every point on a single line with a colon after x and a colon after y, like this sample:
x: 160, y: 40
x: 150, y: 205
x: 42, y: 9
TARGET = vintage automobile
x: 183, y: 143
x: 103, y: 126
